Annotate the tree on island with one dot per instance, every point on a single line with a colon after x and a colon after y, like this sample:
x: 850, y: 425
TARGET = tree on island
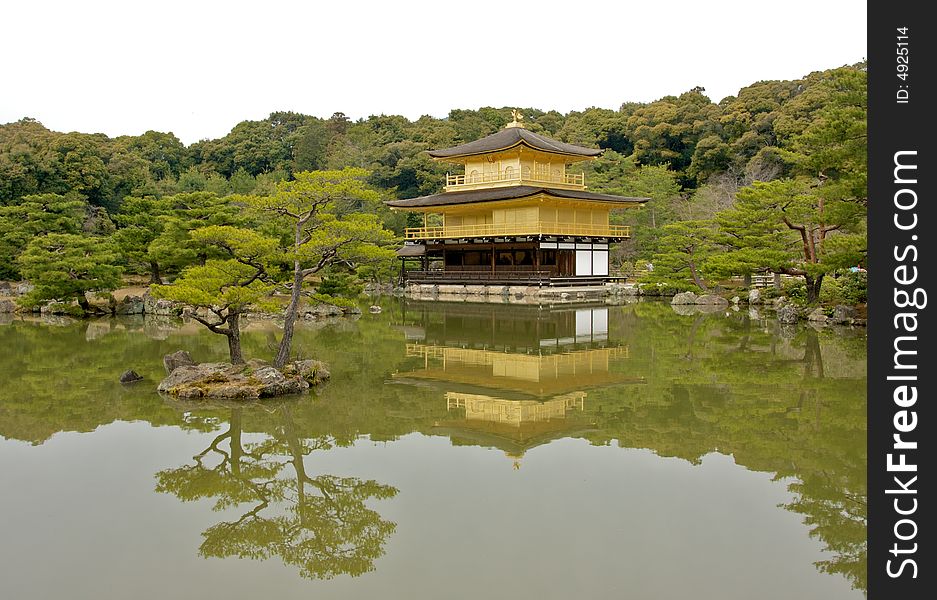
x: 313, y: 212
x: 320, y: 219
x: 225, y: 287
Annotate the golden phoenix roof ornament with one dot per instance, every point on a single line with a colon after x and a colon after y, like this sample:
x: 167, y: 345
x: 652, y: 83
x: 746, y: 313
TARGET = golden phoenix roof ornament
x: 518, y: 119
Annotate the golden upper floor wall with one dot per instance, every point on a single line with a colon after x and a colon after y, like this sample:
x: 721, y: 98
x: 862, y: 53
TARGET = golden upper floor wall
x: 515, y: 156
x: 520, y: 166
x: 528, y: 212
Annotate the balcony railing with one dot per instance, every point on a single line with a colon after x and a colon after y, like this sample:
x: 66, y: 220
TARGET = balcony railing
x: 512, y: 276
x: 574, y: 180
x: 533, y: 228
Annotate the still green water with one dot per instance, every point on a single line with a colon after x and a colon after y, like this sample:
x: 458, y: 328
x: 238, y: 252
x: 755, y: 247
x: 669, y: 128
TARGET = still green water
x: 459, y: 451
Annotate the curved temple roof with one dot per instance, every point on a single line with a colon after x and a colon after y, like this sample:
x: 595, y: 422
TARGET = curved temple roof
x: 506, y: 193
x: 513, y: 136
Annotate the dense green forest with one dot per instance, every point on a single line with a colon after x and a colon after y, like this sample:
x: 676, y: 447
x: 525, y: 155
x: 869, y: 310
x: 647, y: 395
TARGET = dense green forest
x: 770, y: 180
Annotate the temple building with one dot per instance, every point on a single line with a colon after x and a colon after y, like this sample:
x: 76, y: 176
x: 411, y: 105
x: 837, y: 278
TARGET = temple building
x: 516, y: 216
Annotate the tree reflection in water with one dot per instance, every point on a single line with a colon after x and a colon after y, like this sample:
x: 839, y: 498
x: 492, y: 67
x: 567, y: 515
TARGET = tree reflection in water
x: 318, y: 524
x: 786, y: 401
x: 817, y: 441
x: 833, y: 503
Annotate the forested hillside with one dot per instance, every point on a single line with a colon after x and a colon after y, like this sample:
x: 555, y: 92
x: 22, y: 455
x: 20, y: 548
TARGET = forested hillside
x: 699, y: 161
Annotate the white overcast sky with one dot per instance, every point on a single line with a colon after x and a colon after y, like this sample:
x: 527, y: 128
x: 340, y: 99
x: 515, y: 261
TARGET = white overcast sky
x: 198, y: 67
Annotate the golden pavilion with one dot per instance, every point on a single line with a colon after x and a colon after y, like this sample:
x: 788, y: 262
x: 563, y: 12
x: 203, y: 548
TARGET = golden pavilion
x: 517, y: 215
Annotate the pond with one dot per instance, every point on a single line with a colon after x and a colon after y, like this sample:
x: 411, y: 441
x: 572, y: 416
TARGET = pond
x: 459, y: 451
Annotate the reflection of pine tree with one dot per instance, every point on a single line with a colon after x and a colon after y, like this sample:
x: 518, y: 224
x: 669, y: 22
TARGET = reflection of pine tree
x: 322, y: 527
x: 833, y: 502
x: 836, y: 515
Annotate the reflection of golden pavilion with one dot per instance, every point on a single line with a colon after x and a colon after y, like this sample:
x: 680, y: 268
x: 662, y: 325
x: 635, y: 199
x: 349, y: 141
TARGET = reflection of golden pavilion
x: 539, y: 375
x: 514, y: 425
x: 514, y: 412
x: 514, y: 378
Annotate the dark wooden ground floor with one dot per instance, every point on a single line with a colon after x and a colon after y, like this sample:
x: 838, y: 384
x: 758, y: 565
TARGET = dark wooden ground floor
x: 519, y: 262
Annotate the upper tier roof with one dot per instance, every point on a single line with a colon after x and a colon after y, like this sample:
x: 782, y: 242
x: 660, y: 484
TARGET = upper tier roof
x: 511, y: 137
x: 506, y: 193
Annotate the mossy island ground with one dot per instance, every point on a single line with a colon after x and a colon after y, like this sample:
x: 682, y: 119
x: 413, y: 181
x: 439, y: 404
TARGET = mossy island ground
x: 254, y: 379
